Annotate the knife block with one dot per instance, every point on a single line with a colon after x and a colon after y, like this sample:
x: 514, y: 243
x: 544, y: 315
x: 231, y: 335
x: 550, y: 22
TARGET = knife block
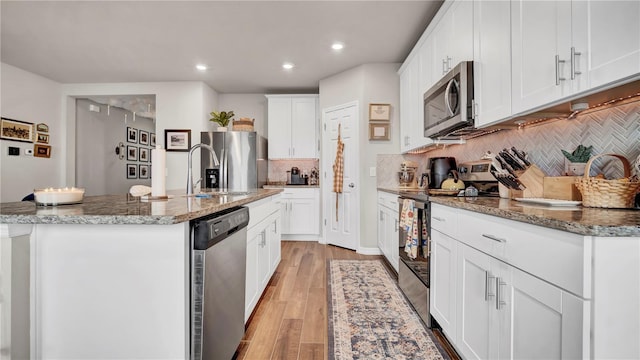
x: 533, y: 179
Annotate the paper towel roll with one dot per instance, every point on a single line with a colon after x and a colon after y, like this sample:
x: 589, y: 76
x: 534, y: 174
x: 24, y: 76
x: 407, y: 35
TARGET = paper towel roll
x: 158, y: 173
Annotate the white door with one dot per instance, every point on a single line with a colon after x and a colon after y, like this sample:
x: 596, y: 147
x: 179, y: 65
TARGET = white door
x: 341, y: 219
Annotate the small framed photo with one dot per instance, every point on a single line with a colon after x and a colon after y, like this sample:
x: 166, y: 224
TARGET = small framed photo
x: 379, y: 112
x: 143, y: 138
x: 144, y: 154
x: 132, y: 153
x: 132, y: 171
x: 43, y: 151
x: 16, y: 130
x: 379, y: 131
x: 143, y: 172
x: 42, y: 138
x: 152, y: 140
x: 42, y: 128
x: 132, y: 135
x: 177, y: 140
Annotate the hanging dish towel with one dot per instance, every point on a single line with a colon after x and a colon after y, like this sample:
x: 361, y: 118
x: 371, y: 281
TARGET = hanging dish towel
x: 338, y: 169
x: 425, y: 234
x: 409, y: 222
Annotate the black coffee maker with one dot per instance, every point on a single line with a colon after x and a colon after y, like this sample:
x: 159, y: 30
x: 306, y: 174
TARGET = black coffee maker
x: 439, y: 168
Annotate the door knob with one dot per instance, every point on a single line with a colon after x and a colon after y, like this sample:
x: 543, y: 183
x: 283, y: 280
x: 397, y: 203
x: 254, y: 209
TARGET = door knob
x: 352, y: 185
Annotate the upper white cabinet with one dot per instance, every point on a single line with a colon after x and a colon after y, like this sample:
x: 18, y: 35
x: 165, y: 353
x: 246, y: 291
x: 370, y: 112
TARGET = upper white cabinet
x: 452, y: 38
x: 607, y: 36
x: 292, y: 125
x: 411, y: 118
x: 492, y: 61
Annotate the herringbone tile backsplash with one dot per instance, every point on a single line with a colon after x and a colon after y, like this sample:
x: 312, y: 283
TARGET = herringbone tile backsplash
x: 611, y: 130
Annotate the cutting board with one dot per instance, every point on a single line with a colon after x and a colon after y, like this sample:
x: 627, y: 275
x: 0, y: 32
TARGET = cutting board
x: 561, y: 187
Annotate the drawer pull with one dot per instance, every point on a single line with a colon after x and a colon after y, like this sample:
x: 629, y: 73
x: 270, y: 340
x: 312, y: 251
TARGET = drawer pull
x: 438, y: 218
x: 499, y: 302
x: 494, y: 238
x: 487, y: 286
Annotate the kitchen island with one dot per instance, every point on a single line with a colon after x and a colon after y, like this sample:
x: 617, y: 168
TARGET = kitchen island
x: 110, y: 277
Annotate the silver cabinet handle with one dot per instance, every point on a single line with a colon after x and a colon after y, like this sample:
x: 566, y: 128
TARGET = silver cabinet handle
x: 352, y: 185
x: 574, y: 72
x: 448, y: 63
x: 397, y: 224
x: 294, y: 151
x: 444, y: 66
x: 381, y: 215
x: 558, y: 77
x: 494, y: 238
x: 438, y: 218
x: 487, y: 286
x: 499, y: 301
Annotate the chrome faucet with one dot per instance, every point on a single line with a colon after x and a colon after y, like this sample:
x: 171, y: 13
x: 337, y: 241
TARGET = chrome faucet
x: 190, y: 184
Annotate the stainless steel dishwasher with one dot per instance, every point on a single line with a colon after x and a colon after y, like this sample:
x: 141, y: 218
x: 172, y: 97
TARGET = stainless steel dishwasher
x: 218, y: 267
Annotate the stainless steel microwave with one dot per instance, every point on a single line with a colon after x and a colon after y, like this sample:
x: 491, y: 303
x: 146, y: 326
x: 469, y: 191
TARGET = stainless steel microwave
x: 448, y: 105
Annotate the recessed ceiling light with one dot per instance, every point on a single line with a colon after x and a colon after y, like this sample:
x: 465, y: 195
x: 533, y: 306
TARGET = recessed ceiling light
x: 337, y: 46
x: 287, y: 66
x: 201, y: 67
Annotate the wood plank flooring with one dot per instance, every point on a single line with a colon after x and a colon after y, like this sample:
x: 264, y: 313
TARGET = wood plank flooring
x: 290, y: 321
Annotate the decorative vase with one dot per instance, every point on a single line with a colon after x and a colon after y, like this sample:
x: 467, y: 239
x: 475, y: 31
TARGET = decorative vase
x: 574, y: 169
x: 221, y: 129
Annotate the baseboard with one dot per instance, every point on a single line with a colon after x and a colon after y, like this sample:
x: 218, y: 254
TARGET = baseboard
x: 369, y: 250
x: 301, y: 238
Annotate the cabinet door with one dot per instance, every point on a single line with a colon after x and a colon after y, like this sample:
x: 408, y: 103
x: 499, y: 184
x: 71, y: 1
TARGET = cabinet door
x: 460, y: 18
x: 607, y: 34
x: 274, y: 242
x: 304, y: 144
x: 264, y: 260
x: 443, y: 282
x: 393, y: 239
x: 251, y: 278
x: 538, y: 320
x: 285, y: 205
x: 383, y: 232
x: 492, y: 61
x: 476, y: 304
x: 279, y: 126
x: 408, y: 105
x: 304, y: 216
x: 541, y: 30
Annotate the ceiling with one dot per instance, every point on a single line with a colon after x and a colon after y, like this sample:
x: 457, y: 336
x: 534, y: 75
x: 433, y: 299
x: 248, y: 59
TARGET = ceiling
x: 244, y: 43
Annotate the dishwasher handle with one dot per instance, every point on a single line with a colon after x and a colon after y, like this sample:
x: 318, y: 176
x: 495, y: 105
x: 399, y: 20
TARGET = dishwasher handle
x: 212, y: 229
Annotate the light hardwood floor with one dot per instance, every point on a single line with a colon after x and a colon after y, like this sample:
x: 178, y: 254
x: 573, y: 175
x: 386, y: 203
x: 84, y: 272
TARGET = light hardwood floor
x: 290, y: 321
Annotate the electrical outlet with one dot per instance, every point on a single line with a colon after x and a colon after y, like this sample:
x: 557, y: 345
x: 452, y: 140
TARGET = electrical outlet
x: 372, y: 171
x: 14, y: 151
x: 28, y: 152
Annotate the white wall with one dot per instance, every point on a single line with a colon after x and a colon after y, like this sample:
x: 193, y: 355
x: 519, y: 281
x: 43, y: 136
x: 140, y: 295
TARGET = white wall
x: 179, y: 105
x: 28, y: 97
x: 369, y: 83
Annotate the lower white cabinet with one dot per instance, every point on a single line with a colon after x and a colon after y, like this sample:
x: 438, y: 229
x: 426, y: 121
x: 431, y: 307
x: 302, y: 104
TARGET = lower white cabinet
x: 490, y: 309
x: 263, y: 249
x: 388, y: 224
x: 300, y: 211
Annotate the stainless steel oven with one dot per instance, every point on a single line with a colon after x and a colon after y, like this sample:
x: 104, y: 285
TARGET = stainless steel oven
x: 414, y: 269
x: 449, y: 104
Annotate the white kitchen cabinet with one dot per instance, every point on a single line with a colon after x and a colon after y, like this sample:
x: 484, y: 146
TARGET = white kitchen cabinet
x: 411, y: 112
x: 492, y: 61
x: 292, y: 126
x: 263, y: 249
x: 300, y: 211
x: 607, y: 36
x: 388, y: 223
x: 452, y: 37
x: 443, y: 282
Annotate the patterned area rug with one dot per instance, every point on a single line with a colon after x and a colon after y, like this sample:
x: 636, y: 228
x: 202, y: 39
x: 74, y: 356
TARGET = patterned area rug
x: 369, y: 318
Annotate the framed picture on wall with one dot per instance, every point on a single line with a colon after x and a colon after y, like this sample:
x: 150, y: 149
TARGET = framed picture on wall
x: 152, y: 140
x: 379, y: 112
x: 143, y: 172
x: 177, y: 140
x: 132, y: 135
x: 132, y: 171
x: 132, y: 153
x: 42, y: 138
x: 144, y: 154
x: 143, y: 137
x: 16, y: 130
x: 379, y: 131
x: 43, y: 151
x: 42, y: 127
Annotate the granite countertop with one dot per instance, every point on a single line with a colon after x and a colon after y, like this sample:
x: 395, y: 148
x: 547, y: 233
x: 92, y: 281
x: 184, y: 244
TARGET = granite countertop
x: 126, y: 209
x: 575, y: 219
x: 290, y: 186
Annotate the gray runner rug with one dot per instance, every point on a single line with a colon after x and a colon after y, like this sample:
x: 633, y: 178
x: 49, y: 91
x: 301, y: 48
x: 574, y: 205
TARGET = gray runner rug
x: 369, y: 318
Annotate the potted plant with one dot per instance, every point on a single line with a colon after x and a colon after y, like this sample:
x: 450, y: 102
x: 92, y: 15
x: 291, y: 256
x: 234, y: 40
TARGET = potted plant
x: 575, y: 162
x: 222, y: 118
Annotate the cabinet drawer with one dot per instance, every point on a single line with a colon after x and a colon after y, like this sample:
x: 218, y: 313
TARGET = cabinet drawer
x: 387, y: 199
x: 259, y: 210
x: 306, y: 193
x: 555, y: 256
x: 444, y: 219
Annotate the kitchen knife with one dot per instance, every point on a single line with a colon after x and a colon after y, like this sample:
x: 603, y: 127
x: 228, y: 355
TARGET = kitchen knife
x: 521, y: 155
x: 511, y: 160
x: 505, y: 165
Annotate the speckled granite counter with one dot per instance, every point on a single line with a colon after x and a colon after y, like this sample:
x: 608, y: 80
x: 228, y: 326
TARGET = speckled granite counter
x: 578, y: 220
x: 291, y: 186
x: 126, y: 209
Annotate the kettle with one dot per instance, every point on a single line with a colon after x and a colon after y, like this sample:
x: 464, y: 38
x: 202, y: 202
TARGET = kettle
x: 452, y: 182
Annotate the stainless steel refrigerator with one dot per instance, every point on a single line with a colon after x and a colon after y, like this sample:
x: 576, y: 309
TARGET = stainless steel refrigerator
x: 243, y: 161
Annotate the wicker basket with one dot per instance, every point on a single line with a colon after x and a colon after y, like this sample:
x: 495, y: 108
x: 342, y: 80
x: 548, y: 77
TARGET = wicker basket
x: 244, y: 124
x: 602, y: 193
